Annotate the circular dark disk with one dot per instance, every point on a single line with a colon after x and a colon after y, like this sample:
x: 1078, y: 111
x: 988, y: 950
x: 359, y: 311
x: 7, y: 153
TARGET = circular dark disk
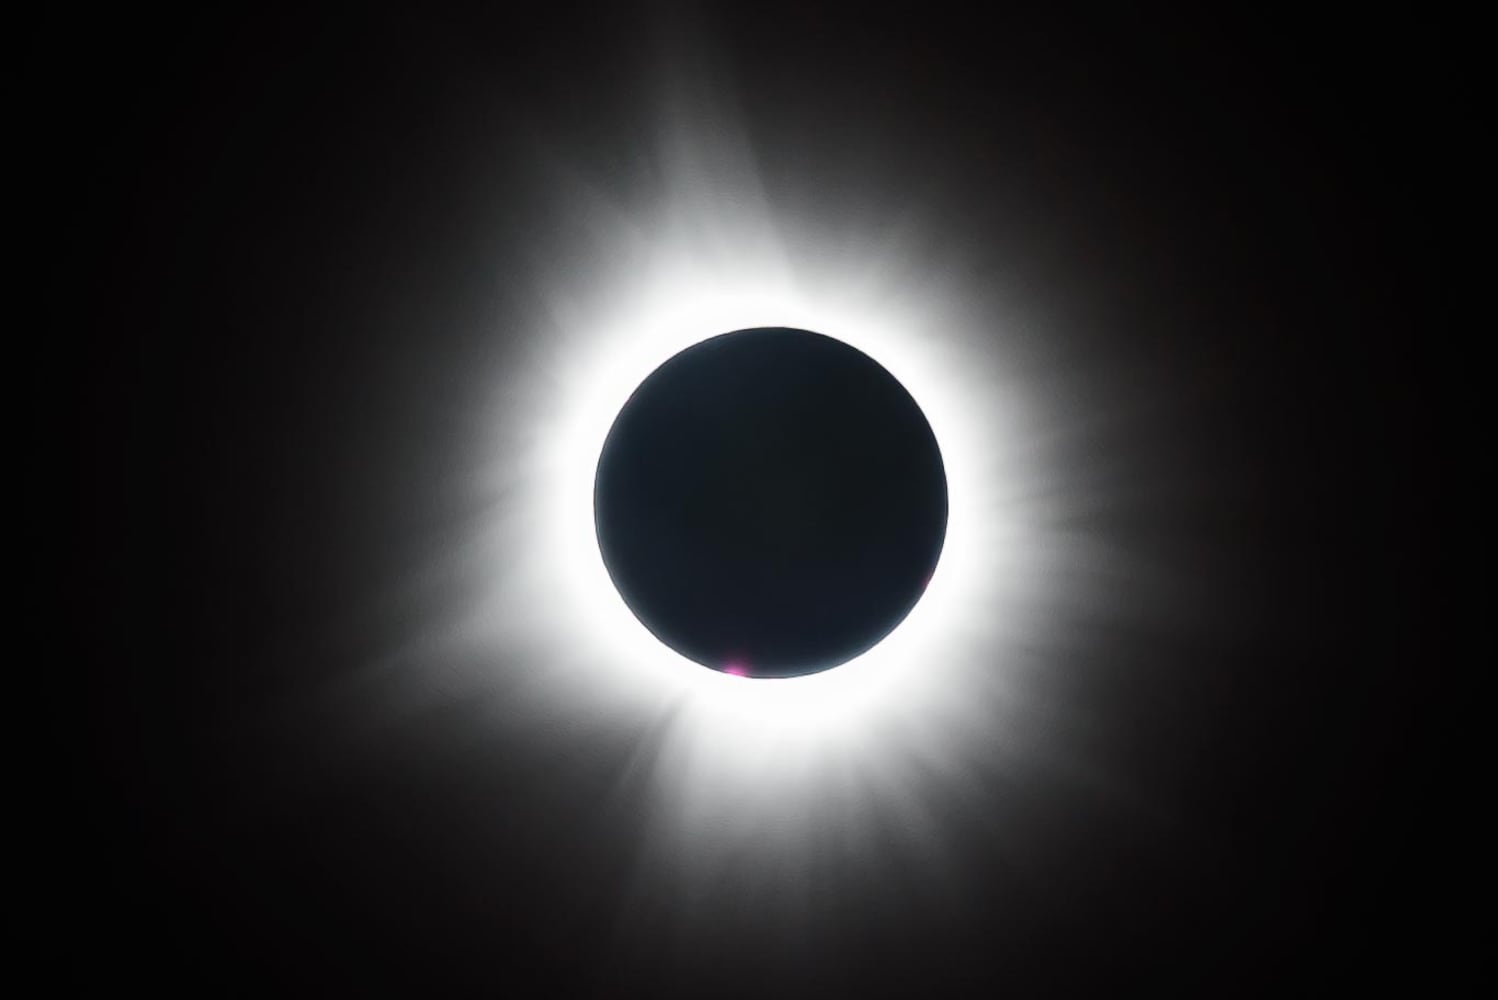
x: 770, y: 502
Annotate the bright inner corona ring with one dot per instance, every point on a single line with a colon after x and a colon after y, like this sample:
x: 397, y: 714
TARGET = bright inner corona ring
x: 608, y: 348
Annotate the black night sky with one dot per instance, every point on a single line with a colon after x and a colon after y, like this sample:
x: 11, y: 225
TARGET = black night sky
x: 295, y: 267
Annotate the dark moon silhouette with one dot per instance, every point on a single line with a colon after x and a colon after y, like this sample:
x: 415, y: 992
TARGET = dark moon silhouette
x: 770, y: 502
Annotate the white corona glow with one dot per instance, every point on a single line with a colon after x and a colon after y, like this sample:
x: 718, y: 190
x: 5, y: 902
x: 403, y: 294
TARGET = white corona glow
x: 800, y: 768
x: 730, y: 748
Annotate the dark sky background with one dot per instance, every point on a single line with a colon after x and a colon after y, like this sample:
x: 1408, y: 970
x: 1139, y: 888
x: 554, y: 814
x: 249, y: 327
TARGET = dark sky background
x: 288, y: 251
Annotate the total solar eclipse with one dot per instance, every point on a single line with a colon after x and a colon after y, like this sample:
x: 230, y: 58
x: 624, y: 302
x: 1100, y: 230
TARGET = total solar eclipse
x: 770, y: 502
